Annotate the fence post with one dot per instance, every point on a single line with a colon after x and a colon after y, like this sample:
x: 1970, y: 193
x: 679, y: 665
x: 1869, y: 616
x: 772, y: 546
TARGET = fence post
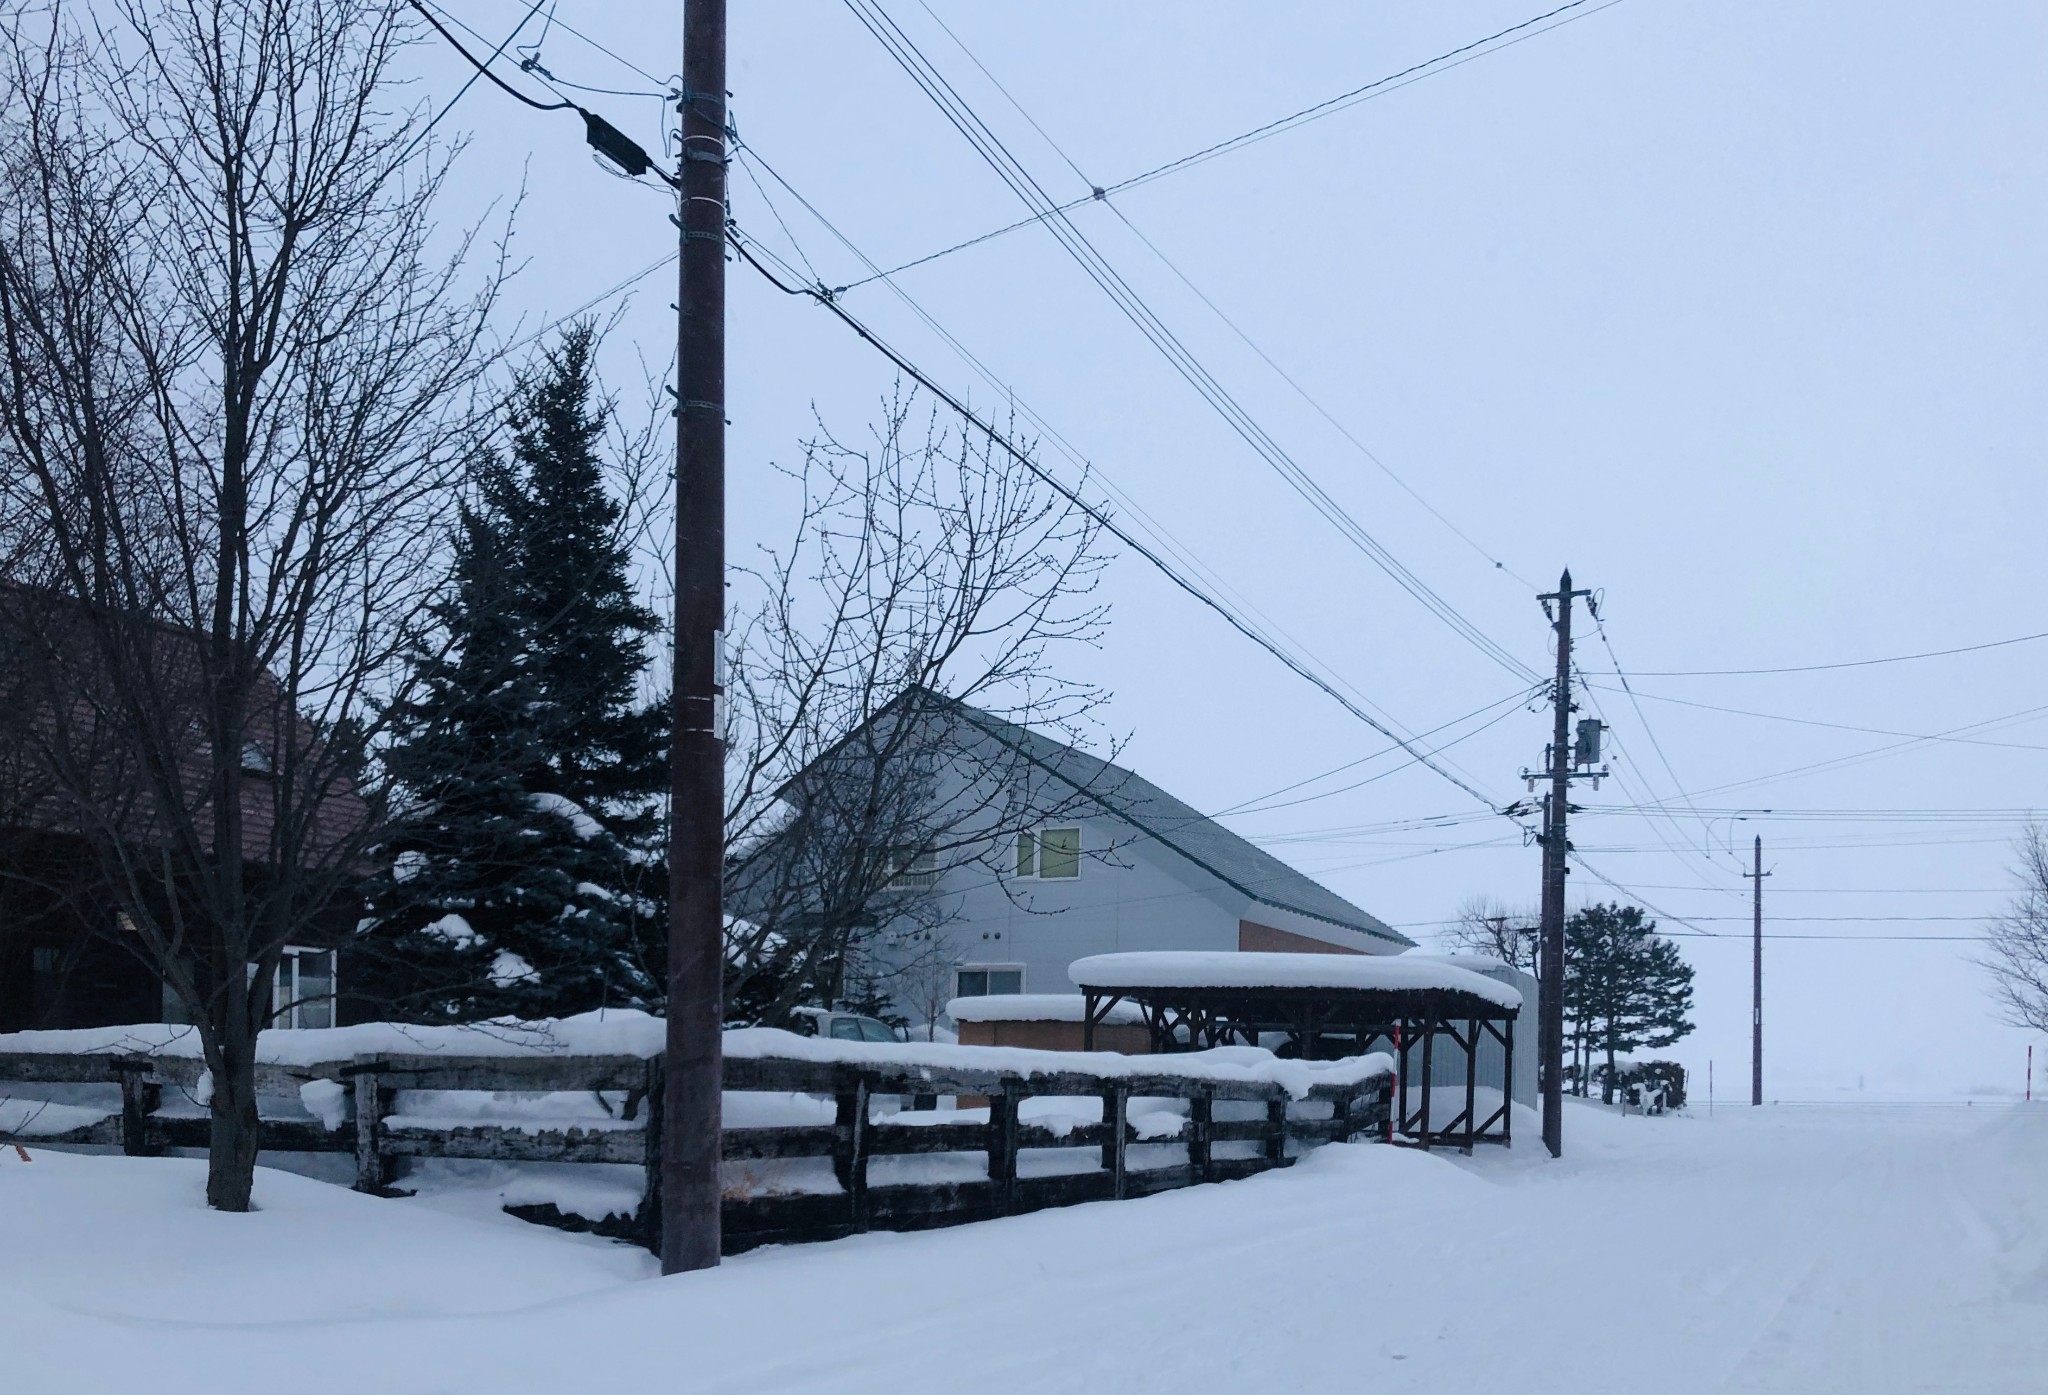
x: 649, y: 1214
x: 1002, y: 1147
x: 850, y: 1153
x: 1276, y: 1131
x: 139, y: 1098
x: 1116, y: 1113
x: 366, y: 1084
x: 1200, y: 1111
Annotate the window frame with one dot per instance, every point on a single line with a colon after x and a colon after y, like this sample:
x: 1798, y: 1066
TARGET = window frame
x: 1035, y: 857
x: 915, y: 872
x: 287, y: 1013
x: 985, y: 970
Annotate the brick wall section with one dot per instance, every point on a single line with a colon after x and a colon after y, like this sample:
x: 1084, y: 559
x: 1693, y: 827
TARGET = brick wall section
x: 1253, y: 937
x: 1125, y: 1039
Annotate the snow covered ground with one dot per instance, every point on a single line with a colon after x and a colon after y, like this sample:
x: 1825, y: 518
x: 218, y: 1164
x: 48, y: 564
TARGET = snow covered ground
x: 1871, y: 1249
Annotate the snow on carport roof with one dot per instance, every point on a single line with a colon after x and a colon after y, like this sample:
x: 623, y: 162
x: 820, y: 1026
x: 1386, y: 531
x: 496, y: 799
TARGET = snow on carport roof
x: 1242, y: 970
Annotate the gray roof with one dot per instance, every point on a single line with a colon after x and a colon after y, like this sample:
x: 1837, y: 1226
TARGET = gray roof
x: 1194, y: 835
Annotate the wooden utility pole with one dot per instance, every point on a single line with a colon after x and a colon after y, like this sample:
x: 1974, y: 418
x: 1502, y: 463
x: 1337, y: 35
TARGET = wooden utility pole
x: 1556, y: 804
x: 1756, y: 1012
x: 694, y: 1067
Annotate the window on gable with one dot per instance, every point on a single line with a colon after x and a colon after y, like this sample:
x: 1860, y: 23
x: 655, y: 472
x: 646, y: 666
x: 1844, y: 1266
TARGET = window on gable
x: 1049, y: 852
x: 255, y: 760
x: 1059, y: 852
x: 916, y: 870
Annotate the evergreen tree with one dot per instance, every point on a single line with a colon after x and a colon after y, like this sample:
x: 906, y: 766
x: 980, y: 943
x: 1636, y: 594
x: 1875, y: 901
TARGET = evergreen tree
x: 1626, y: 986
x: 522, y: 870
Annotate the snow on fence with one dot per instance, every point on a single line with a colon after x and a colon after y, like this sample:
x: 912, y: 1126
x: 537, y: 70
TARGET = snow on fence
x: 1100, y: 1126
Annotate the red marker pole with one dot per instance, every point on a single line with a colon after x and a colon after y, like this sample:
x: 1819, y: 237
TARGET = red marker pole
x: 2030, y: 1072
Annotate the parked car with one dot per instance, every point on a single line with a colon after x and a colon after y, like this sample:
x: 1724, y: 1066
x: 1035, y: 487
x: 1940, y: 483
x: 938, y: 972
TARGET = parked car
x: 842, y: 1026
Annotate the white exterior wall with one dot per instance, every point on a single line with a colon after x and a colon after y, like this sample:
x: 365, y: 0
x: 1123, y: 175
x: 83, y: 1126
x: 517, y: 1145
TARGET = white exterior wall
x: 1133, y: 893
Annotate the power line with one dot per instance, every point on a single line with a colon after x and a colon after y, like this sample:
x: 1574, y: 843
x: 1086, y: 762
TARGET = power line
x: 1218, y: 311
x: 1007, y: 167
x: 742, y: 245
x: 1833, y: 726
x: 1875, y: 752
x: 482, y: 66
x: 1850, y: 663
x: 1166, y: 541
x: 1393, y: 82
x: 1256, y: 806
x: 481, y: 71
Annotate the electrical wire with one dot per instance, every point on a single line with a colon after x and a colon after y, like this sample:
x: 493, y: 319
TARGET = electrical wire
x: 1126, y: 299
x: 1850, y: 663
x: 1166, y: 542
x: 1832, y: 726
x: 1393, y: 82
x: 1258, y: 806
x: 482, y: 66
x: 461, y: 91
x: 1218, y: 311
x: 743, y: 246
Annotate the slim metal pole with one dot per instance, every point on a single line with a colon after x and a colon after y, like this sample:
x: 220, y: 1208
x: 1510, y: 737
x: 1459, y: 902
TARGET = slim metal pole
x: 691, y: 1136
x: 1756, y: 1024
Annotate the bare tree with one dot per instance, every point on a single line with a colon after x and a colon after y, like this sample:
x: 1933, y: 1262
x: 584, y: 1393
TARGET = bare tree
x: 1486, y: 925
x: 239, y: 378
x: 2016, y: 950
x: 888, y: 691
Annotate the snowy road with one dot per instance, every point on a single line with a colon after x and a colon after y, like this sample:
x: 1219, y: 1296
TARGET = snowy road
x: 1872, y: 1249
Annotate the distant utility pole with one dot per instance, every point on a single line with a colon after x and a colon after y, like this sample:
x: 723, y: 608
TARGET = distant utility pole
x: 1756, y: 1012
x: 1561, y: 767
x: 693, y: 1063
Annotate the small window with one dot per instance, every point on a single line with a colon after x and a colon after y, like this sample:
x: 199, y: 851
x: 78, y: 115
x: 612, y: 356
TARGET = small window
x: 1049, y: 852
x: 846, y: 1029
x: 916, y: 870
x: 984, y: 982
x: 255, y: 760
x: 43, y: 959
x: 1059, y: 852
x: 302, y: 993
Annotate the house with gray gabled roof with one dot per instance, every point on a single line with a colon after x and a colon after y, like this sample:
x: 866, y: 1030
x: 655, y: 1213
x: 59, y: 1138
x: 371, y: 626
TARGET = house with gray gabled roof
x: 1119, y: 864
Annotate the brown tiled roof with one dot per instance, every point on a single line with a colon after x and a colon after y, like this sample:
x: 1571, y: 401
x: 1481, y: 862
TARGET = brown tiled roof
x: 74, y: 757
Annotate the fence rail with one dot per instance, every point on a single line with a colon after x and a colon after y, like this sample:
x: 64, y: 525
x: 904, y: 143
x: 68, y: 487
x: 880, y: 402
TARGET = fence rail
x: 853, y: 1141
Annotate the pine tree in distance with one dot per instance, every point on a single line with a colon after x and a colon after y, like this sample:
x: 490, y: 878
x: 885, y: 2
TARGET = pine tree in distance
x: 1627, y: 988
x: 523, y: 874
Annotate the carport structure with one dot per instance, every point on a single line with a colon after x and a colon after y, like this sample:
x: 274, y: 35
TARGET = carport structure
x: 1325, y: 1006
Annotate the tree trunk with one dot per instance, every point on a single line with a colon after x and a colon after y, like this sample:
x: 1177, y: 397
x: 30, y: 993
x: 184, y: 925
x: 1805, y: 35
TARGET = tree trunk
x: 231, y: 1147
x: 1607, y: 1081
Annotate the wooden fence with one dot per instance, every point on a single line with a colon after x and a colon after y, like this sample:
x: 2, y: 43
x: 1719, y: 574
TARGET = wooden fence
x: 852, y: 1142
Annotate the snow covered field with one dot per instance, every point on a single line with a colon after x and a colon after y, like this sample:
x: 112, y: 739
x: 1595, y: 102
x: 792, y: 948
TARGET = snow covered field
x: 1869, y: 1249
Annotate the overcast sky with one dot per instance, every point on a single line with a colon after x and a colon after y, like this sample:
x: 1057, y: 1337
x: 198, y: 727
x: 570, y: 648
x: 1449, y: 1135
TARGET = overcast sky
x: 1734, y: 309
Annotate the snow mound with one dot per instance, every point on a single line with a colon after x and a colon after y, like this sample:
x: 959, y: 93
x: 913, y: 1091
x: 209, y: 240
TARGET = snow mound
x: 1241, y: 969
x: 1037, y: 1007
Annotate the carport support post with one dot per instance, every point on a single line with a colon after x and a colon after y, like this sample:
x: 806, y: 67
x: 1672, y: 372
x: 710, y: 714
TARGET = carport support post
x: 1472, y: 1084
x: 1507, y: 1076
x: 1428, y: 1072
